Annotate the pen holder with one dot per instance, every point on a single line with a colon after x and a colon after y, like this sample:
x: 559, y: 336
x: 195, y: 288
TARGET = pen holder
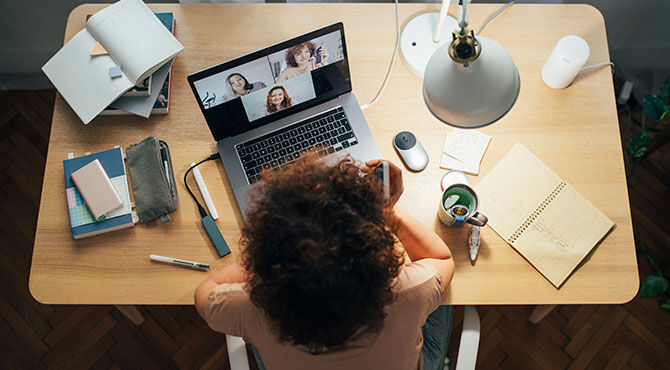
x: 152, y: 179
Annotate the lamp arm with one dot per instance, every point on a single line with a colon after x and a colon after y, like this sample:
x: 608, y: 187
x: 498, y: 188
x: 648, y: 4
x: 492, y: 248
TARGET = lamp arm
x: 462, y: 15
x: 440, y: 21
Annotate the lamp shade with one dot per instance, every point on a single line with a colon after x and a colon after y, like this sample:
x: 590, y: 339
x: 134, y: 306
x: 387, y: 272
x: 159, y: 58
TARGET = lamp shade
x: 472, y: 96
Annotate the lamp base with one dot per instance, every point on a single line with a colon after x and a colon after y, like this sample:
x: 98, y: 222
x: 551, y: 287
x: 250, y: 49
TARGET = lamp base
x: 416, y: 40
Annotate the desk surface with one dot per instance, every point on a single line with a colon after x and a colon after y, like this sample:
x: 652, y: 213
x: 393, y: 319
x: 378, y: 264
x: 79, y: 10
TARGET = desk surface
x: 574, y: 131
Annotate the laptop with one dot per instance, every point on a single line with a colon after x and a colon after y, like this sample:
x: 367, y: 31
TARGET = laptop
x: 267, y: 108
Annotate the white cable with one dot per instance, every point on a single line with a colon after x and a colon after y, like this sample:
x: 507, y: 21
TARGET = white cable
x: 395, y: 53
x: 597, y: 65
x: 481, y: 28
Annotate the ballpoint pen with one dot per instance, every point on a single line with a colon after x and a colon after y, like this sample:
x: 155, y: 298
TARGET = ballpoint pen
x: 165, y: 163
x: 191, y: 264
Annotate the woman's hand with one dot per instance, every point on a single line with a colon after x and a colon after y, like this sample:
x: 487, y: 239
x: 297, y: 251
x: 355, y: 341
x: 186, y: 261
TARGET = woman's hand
x: 324, y: 56
x: 396, y: 186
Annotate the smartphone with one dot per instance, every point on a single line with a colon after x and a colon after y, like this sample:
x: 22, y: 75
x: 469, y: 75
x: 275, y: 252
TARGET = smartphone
x: 318, y: 55
x: 382, y: 172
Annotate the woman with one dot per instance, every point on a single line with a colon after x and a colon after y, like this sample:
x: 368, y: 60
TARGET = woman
x: 302, y: 58
x: 238, y: 86
x: 278, y: 99
x: 322, y: 282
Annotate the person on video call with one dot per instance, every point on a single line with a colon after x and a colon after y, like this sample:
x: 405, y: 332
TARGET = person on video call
x: 302, y: 58
x: 238, y: 86
x: 277, y: 100
x: 323, y: 281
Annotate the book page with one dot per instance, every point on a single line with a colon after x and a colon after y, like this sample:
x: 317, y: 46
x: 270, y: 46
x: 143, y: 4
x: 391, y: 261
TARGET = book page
x: 562, y: 235
x: 135, y: 37
x: 83, y: 80
x: 513, y: 189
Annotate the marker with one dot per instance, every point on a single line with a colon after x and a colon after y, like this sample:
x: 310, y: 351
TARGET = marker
x: 474, y: 241
x: 204, y: 192
x: 165, y: 163
x: 191, y: 264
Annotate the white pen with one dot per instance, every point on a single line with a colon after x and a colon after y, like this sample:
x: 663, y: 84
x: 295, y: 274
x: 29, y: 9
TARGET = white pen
x: 191, y: 264
x: 474, y: 241
x: 204, y: 192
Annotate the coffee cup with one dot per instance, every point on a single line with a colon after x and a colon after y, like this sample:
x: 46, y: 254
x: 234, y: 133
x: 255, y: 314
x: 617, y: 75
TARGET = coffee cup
x: 459, y: 202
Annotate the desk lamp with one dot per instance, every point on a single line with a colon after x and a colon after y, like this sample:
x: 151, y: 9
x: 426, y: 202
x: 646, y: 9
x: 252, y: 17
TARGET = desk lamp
x: 471, y: 81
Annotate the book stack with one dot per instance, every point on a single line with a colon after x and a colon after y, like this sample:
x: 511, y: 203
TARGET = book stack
x: 81, y: 220
x: 121, y: 46
x: 140, y: 102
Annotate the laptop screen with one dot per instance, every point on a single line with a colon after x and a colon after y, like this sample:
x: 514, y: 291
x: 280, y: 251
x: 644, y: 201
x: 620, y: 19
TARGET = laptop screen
x: 261, y: 87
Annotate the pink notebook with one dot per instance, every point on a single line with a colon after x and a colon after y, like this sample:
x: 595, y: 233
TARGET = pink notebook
x: 96, y: 189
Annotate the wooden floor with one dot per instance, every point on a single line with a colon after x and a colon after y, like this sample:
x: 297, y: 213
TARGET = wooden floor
x: 32, y: 335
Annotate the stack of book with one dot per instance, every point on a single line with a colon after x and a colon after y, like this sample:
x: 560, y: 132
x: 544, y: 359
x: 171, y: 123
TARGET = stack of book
x: 124, y: 47
x: 138, y: 99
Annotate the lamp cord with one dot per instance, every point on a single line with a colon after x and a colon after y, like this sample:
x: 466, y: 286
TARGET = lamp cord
x: 493, y: 15
x: 597, y: 65
x: 395, y: 53
x: 201, y: 210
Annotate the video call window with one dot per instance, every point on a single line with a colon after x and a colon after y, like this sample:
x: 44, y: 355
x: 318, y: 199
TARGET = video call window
x: 270, y: 84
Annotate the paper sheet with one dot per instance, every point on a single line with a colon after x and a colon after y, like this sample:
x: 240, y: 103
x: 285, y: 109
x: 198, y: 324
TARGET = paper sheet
x: 463, y: 150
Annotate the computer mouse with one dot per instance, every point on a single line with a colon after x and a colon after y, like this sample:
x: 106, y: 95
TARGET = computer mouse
x: 411, y: 151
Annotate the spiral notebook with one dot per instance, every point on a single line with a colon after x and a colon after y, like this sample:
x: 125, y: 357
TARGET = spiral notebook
x: 544, y: 218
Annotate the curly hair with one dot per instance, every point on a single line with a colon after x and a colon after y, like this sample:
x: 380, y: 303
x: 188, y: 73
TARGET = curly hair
x: 287, y: 102
x: 320, y: 252
x: 293, y: 50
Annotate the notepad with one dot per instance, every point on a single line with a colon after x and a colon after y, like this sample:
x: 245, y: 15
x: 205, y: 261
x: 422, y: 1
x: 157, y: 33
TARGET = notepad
x: 463, y: 150
x: 543, y: 217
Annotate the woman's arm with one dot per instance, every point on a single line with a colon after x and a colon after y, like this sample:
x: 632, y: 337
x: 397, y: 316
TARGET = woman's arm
x: 234, y: 273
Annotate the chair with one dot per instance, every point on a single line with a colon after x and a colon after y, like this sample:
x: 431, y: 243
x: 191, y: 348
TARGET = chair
x: 467, y: 350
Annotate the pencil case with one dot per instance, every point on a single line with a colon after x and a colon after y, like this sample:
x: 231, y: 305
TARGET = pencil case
x: 152, y: 179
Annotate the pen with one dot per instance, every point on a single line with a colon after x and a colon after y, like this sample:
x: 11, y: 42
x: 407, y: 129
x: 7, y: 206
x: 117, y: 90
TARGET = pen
x: 204, y: 192
x: 191, y: 264
x: 165, y: 163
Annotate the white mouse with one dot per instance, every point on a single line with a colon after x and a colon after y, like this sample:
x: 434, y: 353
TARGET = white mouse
x: 411, y: 151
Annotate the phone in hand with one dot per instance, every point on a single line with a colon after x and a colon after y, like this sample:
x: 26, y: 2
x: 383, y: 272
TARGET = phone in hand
x: 318, y: 55
x: 382, y: 172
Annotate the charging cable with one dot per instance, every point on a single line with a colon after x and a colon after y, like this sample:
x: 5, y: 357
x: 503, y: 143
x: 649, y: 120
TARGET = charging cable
x: 207, y: 221
x: 395, y: 53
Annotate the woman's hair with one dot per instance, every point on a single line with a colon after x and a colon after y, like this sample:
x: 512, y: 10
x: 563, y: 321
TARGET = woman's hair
x: 284, y: 103
x: 320, y: 252
x: 247, y: 85
x: 290, y: 53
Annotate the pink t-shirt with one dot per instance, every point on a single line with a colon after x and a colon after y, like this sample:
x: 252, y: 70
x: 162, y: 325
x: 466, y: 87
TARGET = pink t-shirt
x: 396, y: 346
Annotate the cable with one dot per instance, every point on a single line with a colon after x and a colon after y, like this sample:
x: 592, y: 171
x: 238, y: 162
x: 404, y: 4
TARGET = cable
x: 597, y: 65
x: 495, y: 14
x: 395, y: 53
x: 201, y: 210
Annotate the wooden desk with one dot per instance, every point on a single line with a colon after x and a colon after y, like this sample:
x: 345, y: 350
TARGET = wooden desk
x: 574, y: 131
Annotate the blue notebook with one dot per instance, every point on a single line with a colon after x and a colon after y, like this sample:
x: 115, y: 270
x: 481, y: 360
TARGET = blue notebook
x: 82, y: 222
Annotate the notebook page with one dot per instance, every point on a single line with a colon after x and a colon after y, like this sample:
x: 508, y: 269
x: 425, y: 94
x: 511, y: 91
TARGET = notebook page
x: 137, y: 39
x: 84, y: 81
x: 513, y: 189
x: 562, y: 235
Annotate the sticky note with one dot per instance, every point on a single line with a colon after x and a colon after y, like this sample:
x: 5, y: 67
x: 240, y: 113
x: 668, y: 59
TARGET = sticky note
x: 115, y: 72
x: 98, y: 49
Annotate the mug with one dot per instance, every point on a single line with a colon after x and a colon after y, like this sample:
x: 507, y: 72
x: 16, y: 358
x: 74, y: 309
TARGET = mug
x: 459, y: 202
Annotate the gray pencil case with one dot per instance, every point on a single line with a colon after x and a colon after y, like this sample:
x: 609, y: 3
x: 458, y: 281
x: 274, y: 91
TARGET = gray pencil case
x: 154, y: 188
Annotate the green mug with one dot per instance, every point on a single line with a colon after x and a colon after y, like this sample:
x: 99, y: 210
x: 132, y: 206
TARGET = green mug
x: 459, y: 204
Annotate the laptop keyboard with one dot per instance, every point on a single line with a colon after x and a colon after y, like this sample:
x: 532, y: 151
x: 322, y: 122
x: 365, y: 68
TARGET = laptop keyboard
x: 324, y: 134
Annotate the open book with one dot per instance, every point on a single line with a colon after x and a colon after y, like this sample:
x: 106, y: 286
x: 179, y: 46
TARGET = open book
x: 544, y: 218
x: 135, y: 40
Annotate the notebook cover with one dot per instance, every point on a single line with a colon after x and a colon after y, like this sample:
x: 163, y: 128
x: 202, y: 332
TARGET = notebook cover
x: 81, y: 221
